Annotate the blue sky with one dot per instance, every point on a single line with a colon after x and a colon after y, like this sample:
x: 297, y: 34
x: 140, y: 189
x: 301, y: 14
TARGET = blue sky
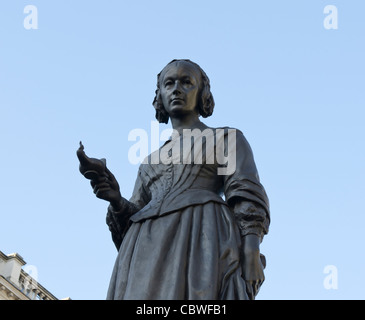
x: 88, y: 73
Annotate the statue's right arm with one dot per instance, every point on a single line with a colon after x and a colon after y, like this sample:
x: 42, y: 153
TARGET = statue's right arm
x: 118, y: 220
x: 120, y: 211
x: 106, y: 187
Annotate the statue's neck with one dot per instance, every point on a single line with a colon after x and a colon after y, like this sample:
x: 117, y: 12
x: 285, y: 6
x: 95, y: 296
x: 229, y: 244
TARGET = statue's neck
x: 179, y: 124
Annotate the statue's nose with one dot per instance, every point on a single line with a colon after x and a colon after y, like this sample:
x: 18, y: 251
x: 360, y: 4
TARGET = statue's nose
x: 176, y: 88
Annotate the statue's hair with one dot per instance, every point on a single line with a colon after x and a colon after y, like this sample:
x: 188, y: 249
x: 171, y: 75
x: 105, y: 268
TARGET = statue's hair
x: 205, y: 98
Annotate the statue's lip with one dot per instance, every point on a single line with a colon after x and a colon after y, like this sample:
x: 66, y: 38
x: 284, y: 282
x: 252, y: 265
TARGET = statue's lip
x: 177, y: 99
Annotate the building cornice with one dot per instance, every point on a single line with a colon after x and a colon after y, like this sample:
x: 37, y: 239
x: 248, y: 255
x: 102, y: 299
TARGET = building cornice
x: 16, y: 284
x: 11, y: 291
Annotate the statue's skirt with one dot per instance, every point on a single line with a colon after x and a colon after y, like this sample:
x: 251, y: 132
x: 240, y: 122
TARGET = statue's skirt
x: 193, y: 253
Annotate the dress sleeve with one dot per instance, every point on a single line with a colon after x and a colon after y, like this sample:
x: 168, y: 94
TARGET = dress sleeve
x: 243, y: 190
x: 118, y: 221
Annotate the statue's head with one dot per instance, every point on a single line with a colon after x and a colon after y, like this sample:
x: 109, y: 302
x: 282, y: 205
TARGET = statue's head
x: 204, y: 98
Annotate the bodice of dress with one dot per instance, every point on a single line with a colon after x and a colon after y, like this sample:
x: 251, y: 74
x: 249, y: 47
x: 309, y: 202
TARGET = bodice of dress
x: 175, y: 186
x: 169, y: 180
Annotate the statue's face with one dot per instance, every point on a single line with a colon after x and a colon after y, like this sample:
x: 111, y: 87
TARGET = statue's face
x: 179, y: 88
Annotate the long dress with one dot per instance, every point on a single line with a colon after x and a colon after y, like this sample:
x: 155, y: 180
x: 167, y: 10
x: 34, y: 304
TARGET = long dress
x: 177, y: 237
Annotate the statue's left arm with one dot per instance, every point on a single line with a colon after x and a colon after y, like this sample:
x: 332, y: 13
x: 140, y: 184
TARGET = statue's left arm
x: 248, y: 200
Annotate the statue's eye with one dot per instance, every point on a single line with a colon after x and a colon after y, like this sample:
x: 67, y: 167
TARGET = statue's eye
x: 168, y: 83
x: 187, y: 81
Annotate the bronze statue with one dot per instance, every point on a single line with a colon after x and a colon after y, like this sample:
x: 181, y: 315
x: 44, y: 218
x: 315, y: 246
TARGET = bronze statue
x: 177, y: 237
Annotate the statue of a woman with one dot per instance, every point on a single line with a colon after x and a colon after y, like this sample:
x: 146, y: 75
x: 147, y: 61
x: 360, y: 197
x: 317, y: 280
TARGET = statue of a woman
x: 177, y: 237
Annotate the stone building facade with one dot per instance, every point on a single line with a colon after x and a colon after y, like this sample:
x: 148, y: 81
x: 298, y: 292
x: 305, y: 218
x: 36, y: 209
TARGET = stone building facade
x: 16, y: 284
